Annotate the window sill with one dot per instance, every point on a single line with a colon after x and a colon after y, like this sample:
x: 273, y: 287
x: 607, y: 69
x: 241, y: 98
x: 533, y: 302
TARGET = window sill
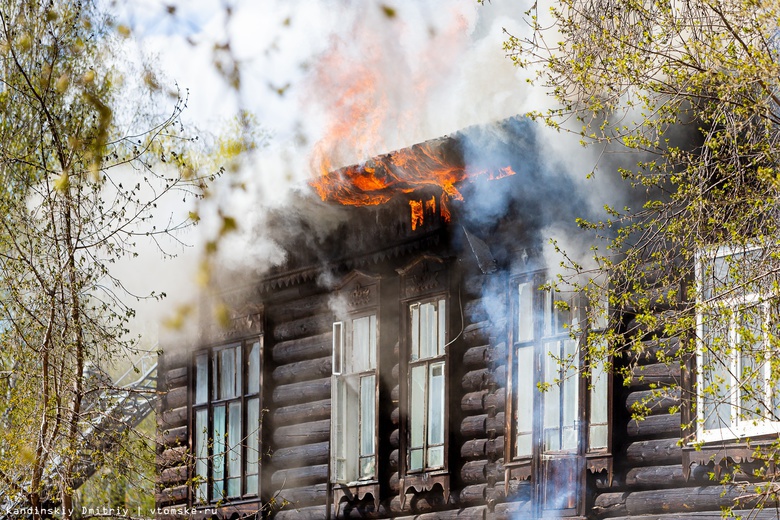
x: 356, y: 491
x: 738, y: 451
x: 425, y: 481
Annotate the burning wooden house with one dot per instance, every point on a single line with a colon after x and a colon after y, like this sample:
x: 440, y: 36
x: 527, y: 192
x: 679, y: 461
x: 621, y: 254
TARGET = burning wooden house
x: 392, y: 367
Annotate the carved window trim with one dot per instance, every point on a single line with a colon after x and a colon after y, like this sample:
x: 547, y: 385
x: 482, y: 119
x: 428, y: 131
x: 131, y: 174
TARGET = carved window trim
x: 358, y: 293
x: 424, y: 281
x: 212, y: 404
x: 533, y: 463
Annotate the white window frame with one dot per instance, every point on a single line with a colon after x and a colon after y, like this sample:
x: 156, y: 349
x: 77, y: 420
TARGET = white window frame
x: 354, y: 436
x: 739, y: 426
x: 434, y: 358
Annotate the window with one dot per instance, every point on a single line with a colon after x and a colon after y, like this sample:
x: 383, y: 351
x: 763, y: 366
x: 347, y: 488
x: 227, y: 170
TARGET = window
x: 737, y: 311
x: 558, y: 414
x: 226, y: 422
x: 354, y: 401
x: 426, y: 385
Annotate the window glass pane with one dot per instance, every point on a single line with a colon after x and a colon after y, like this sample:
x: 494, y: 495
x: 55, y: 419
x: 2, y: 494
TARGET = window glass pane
x: 752, y: 382
x: 361, y: 344
x: 436, y: 456
x: 201, y: 454
x: 525, y: 312
x: 338, y: 347
x: 599, y: 412
x: 436, y: 404
x: 218, y: 458
x: 417, y: 407
x: 252, y: 445
x: 425, y: 330
x: 715, y: 389
x: 549, y: 317
x: 552, y: 397
x: 372, y: 342
x: 415, y: 459
x: 234, y: 449
x: 442, y: 325
x: 367, y: 415
x: 201, y: 379
x: 227, y: 377
x: 570, y: 385
x: 414, y: 353
x: 253, y: 369
x: 525, y: 400
x: 367, y: 467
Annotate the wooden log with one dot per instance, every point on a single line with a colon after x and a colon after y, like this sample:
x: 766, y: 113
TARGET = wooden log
x: 474, y: 380
x: 496, y: 356
x: 292, y: 309
x: 494, y: 471
x: 473, y: 472
x: 473, y: 449
x: 169, y: 496
x: 293, y: 393
x: 467, y: 513
x: 170, y: 477
x: 474, y: 311
x: 308, y: 326
x: 475, y: 357
x: 395, y: 372
x: 472, y: 285
x: 173, y: 436
x: 657, y: 401
x: 666, y: 424
x: 495, y: 401
x: 474, y: 494
x: 473, y: 402
x: 172, y: 418
x: 610, y: 504
x: 473, y: 426
x: 296, y: 477
x: 302, y: 370
x: 395, y: 416
x: 497, y: 376
x: 495, y: 494
x: 495, y: 425
x: 511, y: 511
x: 393, y: 460
x: 304, y: 496
x: 477, y: 334
x: 657, y: 477
x: 395, y: 435
x: 394, y: 393
x: 311, y: 347
x: 176, y: 397
x: 296, y: 413
x: 662, y: 451
x: 302, y: 513
x: 702, y: 498
x: 173, y: 457
x: 176, y: 377
x: 304, y: 433
x: 494, y: 449
x: 655, y: 374
x: 752, y: 514
x: 657, y: 350
x: 304, y: 455
x: 395, y: 483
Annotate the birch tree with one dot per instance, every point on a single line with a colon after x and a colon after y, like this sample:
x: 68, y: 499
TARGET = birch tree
x: 77, y: 194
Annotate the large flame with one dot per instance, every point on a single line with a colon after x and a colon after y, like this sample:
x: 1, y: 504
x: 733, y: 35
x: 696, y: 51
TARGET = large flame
x: 433, y: 163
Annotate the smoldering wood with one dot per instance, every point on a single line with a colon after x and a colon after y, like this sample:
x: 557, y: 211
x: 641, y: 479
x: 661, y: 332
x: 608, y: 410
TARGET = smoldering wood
x: 475, y: 356
x: 661, y: 451
x: 474, y: 472
x: 296, y: 413
x: 310, y: 347
x: 474, y: 380
x: 294, y: 393
x: 495, y: 425
x: 303, y: 433
x: 306, y: 495
x: 304, y: 455
x: 176, y: 397
x: 665, y: 424
x: 473, y: 449
x: 297, y: 477
x: 309, y: 326
x: 655, y: 374
x: 658, y: 401
x: 302, y: 370
x: 473, y: 426
x: 473, y: 401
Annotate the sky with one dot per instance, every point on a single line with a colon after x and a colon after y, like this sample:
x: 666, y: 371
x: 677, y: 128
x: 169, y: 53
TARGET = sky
x: 330, y: 83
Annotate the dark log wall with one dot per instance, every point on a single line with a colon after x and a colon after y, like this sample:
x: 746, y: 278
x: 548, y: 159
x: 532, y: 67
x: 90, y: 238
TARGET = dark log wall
x: 172, y: 436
